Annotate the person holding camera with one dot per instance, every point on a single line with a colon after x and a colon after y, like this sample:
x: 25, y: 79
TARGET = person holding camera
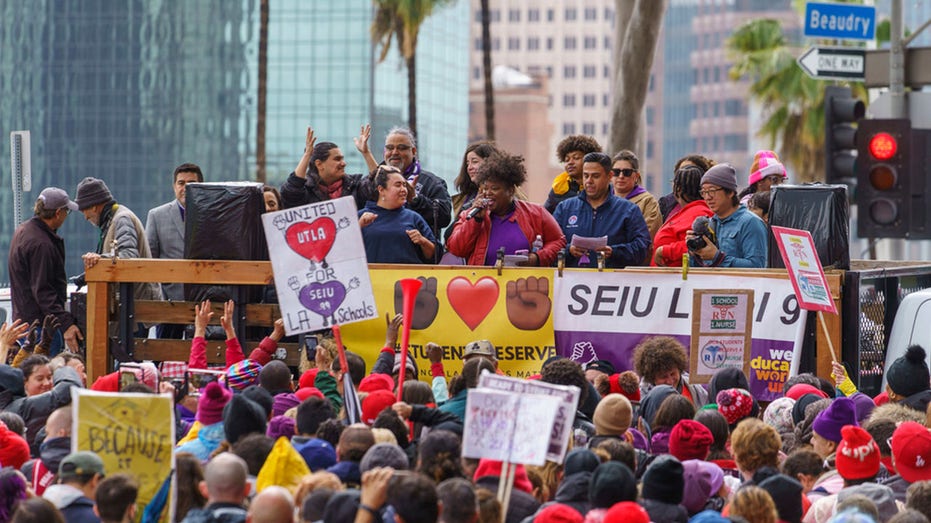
x: 735, y: 236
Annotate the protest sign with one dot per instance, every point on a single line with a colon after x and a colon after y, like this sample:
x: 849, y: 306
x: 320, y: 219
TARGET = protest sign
x: 568, y: 397
x: 318, y: 260
x: 606, y: 315
x: 132, y: 433
x: 805, y: 271
x: 720, y: 332
x: 503, y: 426
x: 456, y: 306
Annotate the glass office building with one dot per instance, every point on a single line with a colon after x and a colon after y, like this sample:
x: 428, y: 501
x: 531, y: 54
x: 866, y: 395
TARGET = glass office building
x: 125, y: 91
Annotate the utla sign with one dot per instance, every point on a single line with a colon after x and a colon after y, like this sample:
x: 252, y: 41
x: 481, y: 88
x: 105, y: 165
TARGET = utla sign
x: 840, y: 21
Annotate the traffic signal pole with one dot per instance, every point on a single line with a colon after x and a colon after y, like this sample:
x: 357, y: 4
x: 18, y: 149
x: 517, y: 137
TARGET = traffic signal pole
x: 898, y: 101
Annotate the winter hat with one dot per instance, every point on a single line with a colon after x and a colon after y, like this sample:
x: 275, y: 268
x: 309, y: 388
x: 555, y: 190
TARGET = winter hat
x: 242, y: 417
x: 909, y: 374
x: 54, y: 198
x: 787, y: 495
x: 690, y: 439
x: 284, y: 401
x: 723, y: 175
x: 612, y: 482
x: 489, y: 467
x: 734, y: 404
x: 663, y: 480
x: 612, y: 415
x: 626, y: 512
x: 14, y: 451
x: 243, y: 374
x: 411, y: 364
x: 306, y: 392
x: 374, y: 382
x: 800, y: 389
x: 778, y: 415
x: 864, y: 405
x: 384, y: 455
x: 318, y: 453
x: 911, y: 451
x: 709, y: 516
x: 603, y: 366
x: 881, y: 495
x: 798, y: 410
x: 280, y: 426
x: 701, y: 479
x: 374, y: 403
x: 308, y: 378
x: 857, y: 454
x: 260, y: 396
x: 765, y: 163
x: 558, y: 513
x: 652, y: 400
x: 831, y: 420
x: 211, y: 402
x: 580, y: 460
x: 92, y: 191
x: 627, y: 383
x: 11, y: 380
x: 727, y: 378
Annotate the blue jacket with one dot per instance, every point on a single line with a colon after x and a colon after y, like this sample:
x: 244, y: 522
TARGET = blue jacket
x: 386, y: 239
x: 743, y: 241
x: 617, y: 218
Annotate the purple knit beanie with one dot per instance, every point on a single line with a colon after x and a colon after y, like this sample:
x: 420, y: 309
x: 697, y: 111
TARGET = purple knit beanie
x: 280, y: 426
x: 841, y: 412
x: 283, y: 402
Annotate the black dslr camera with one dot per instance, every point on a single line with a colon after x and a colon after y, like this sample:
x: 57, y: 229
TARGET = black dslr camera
x: 701, y: 227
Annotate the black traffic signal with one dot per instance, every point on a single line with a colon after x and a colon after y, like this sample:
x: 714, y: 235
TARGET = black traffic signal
x: 884, y: 167
x: 841, y: 112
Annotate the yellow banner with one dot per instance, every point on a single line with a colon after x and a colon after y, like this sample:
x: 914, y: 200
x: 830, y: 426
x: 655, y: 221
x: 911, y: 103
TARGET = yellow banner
x: 132, y: 433
x: 457, y: 306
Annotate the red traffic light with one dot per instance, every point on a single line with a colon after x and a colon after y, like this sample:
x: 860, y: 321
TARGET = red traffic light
x: 883, y: 146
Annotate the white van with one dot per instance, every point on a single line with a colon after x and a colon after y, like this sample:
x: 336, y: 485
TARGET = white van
x: 912, y: 326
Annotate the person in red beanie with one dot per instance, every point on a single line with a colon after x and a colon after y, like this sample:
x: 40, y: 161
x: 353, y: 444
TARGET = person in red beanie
x: 626, y: 512
x: 374, y: 403
x: 857, y: 462
x: 558, y: 513
x: 14, y: 451
x: 523, y: 504
x: 690, y: 439
x: 911, y: 455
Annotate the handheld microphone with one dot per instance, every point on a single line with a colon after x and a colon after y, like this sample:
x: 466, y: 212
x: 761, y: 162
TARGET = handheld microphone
x: 476, y: 212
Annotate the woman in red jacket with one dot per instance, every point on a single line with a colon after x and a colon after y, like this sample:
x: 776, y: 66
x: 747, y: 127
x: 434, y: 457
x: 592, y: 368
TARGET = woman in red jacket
x: 669, y: 244
x: 498, y: 219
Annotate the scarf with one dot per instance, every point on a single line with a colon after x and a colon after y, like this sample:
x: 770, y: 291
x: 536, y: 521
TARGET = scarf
x: 334, y: 190
x: 412, y: 171
x: 104, y: 223
x: 561, y: 183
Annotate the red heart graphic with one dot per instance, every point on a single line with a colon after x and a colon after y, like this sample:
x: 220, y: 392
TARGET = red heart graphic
x: 472, y: 302
x: 312, y: 240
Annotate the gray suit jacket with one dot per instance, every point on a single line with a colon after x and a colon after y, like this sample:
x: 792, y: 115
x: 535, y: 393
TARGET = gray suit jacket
x: 164, y: 229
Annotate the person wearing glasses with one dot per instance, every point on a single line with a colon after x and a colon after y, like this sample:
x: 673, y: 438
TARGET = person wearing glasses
x: 597, y: 212
x: 627, y: 181
x: 429, y: 193
x: 391, y: 232
x: 320, y: 174
x: 765, y: 172
x: 38, y: 282
x: 740, y: 236
x: 669, y: 244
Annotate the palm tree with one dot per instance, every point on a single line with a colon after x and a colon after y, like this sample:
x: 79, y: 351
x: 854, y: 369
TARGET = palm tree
x: 260, y: 175
x: 401, y: 20
x: 793, y: 102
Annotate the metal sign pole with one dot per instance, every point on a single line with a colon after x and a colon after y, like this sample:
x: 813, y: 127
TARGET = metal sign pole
x: 20, y: 160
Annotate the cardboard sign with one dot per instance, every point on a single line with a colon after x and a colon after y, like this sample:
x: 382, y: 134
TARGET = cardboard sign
x: 508, y: 427
x: 558, y: 437
x: 805, y: 271
x: 132, y: 433
x: 721, y: 337
x: 319, y: 264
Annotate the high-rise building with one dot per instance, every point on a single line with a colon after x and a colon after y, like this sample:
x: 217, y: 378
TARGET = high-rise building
x: 125, y: 91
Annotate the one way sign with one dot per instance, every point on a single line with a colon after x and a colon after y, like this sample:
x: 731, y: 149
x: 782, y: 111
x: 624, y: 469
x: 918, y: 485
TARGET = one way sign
x: 834, y: 63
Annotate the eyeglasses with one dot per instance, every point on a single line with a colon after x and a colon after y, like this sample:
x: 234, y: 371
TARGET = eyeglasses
x: 401, y: 148
x: 775, y: 179
x: 626, y: 172
x: 709, y: 192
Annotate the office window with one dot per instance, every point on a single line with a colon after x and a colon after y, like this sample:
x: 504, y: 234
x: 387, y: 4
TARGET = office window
x: 549, y: 44
x: 570, y: 14
x: 533, y: 43
x: 568, y: 128
x: 478, y: 16
x: 478, y: 44
x: 650, y: 114
x: 549, y: 71
x: 589, y: 71
x: 568, y: 100
x: 591, y: 13
x: 513, y: 43
x: 568, y: 71
x: 476, y: 73
x: 609, y: 13
x: 591, y: 42
x: 606, y: 100
x: 514, y: 15
x: 608, y: 43
x: 550, y: 15
x: 607, y: 72
x: 495, y: 15
x: 588, y: 100
x: 569, y: 43
x: 495, y: 44
x: 533, y: 15
x: 649, y: 149
x: 604, y: 128
x: 588, y: 128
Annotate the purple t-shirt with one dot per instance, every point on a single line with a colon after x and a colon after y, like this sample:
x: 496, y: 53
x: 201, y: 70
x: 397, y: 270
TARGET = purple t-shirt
x: 506, y: 233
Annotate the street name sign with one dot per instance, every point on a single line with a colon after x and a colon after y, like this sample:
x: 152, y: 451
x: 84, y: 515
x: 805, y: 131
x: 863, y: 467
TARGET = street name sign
x: 834, y: 63
x: 840, y: 21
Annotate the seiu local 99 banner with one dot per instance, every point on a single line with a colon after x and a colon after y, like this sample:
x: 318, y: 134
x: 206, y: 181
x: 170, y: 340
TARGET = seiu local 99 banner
x: 456, y: 306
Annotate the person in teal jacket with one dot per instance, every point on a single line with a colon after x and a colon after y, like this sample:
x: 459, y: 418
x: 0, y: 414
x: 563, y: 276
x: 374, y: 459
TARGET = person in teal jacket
x: 597, y: 212
x: 460, y: 385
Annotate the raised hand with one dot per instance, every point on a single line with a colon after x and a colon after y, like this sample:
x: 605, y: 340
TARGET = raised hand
x: 50, y: 325
x: 362, y: 141
x: 392, y: 325
x: 227, y: 319
x: 202, y: 315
